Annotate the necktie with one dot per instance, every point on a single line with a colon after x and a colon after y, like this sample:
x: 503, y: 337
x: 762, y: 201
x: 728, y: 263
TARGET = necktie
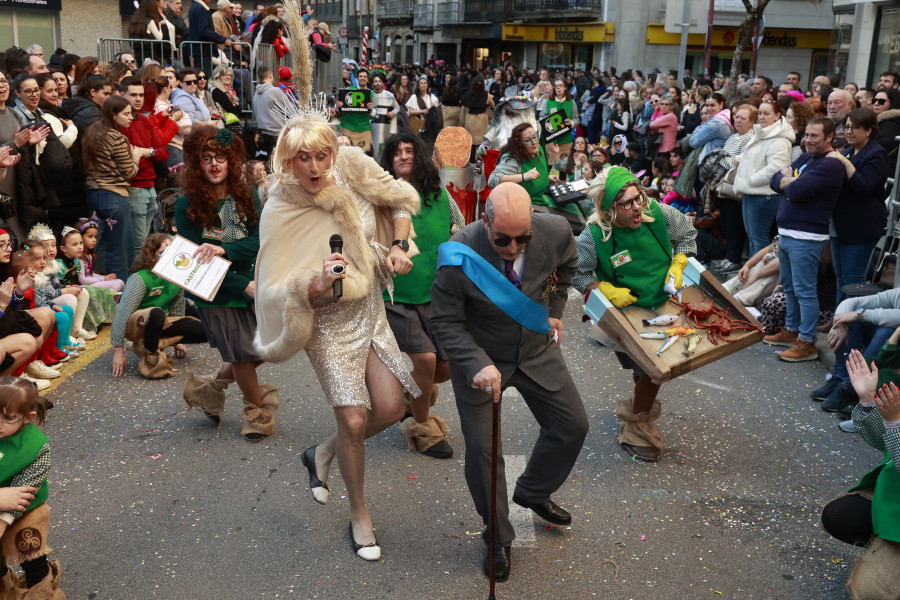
x: 511, y: 273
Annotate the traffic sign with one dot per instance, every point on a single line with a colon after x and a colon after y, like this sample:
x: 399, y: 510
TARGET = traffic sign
x: 343, y: 32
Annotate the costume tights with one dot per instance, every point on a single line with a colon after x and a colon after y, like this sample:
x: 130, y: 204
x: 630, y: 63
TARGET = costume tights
x: 849, y: 519
x: 35, y: 570
x: 191, y: 330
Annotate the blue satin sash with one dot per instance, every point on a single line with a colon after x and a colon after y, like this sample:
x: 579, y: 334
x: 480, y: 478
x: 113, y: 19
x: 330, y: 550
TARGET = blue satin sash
x: 494, y: 284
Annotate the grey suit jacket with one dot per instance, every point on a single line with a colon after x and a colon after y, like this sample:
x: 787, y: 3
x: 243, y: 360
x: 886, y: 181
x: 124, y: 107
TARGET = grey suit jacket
x: 475, y: 333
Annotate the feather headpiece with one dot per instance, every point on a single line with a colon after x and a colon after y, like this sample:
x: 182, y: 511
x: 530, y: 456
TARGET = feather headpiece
x: 308, y: 107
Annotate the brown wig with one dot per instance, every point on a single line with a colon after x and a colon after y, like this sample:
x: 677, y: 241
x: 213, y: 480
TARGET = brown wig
x: 425, y: 175
x: 20, y: 397
x: 202, y: 202
x: 147, y: 258
x: 515, y: 145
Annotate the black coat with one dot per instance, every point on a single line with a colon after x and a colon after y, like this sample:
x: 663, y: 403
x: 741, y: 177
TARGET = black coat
x: 888, y: 129
x: 82, y: 112
x: 860, y: 214
x: 36, y: 197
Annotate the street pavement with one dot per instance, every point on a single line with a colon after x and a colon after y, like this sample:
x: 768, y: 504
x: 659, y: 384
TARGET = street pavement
x: 150, y: 502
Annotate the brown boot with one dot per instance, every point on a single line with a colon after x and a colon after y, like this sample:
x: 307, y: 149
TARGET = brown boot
x: 259, y: 421
x: 782, y: 338
x: 206, y: 394
x: 428, y: 437
x: 45, y: 589
x: 638, y: 433
x: 801, y: 350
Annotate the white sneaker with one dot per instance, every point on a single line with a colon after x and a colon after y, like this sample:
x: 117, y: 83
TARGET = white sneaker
x: 75, y: 346
x: 72, y: 354
x: 848, y: 426
x: 85, y: 334
x: 79, y: 340
x: 42, y: 384
x: 39, y: 370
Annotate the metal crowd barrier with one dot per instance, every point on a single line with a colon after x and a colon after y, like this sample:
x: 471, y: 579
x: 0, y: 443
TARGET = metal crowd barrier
x: 207, y: 56
x: 161, y: 51
x: 266, y: 56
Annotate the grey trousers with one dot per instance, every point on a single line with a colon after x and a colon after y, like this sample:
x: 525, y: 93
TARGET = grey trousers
x: 564, y: 425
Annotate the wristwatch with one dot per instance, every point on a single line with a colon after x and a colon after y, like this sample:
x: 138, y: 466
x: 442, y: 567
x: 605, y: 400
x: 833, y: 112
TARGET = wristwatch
x: 860, y: 313
x: 152, y: 152
x: 404, y: 245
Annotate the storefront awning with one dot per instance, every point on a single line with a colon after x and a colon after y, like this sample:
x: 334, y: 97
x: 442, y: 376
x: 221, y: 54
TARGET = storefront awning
x: 815, y: 39
x: 559, y: 32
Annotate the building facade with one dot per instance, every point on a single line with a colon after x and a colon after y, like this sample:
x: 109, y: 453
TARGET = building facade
x: 866, y: 40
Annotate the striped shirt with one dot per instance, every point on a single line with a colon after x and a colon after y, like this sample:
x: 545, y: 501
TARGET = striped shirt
x: 114, y: 166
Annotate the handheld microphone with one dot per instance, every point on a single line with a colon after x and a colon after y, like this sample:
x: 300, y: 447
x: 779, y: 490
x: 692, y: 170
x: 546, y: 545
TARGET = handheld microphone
x: 337, y: 245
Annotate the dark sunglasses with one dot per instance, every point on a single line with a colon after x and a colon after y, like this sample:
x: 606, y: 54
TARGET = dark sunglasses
x: 505, y: 240
x: 201, y: 77
x: 880, y: 100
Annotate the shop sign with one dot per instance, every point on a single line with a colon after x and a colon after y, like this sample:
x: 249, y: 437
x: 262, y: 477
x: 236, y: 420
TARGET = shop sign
x: 32, y: 4
x: 815, y: 39
x: 490, y: 31
x: 559, y: 33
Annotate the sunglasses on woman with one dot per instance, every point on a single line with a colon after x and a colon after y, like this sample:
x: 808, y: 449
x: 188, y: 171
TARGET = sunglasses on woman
x: 880, y: 101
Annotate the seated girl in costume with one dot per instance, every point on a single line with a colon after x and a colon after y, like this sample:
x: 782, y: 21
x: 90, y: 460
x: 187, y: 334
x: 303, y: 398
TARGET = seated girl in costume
x: 89, y: 228
x: 101, y: 303
x: 49, y: 291
x: 151, y: 316
x: 26, y: 462
x: 45, y: 292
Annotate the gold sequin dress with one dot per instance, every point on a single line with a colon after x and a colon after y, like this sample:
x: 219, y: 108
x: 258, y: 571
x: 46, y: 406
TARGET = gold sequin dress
x: 344, y: 332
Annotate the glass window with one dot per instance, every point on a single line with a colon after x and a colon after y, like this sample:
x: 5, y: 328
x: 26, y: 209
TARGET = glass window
x: 6, y: 26
x: 886, y: 56
x: 35, y: 28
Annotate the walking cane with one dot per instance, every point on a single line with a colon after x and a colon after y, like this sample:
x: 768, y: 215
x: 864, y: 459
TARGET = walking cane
x: 495, y: 435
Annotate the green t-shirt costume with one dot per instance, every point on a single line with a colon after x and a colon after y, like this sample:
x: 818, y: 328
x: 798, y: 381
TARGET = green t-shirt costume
x: 17, y: 452
x: 160, y: 292
x: 643, y: 255
x: 357, y: 122
x: 432, y: 227
x: 567, y: 105
x: 537, y: 188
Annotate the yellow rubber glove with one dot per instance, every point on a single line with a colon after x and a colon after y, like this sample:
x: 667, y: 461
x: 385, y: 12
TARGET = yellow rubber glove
x: 679, y: 262
x: 620, y: 297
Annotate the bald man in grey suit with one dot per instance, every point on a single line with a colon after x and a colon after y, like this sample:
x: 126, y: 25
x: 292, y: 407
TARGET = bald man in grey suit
x: 489, y: 351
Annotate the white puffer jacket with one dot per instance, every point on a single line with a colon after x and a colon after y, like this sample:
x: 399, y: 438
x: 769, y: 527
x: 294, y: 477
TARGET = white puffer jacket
x: 767, y: 153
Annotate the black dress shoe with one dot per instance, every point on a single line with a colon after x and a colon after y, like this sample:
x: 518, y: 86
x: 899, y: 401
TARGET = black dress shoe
x: 547, y: 510
x: 440, y: 450
x: 370, y: 551
x: 644, y: 453
x: 501, y: 563
x: 319, y: 490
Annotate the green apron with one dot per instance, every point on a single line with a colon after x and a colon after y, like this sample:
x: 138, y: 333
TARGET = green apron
x: 644, y: 256
x: 537, y: 188
x: 160, y: 292
x: 432, y: 227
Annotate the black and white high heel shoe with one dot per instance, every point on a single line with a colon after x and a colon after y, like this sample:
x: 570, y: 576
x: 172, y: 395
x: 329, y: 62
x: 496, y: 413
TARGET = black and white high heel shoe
x: 319, y: 490
x: 370, y: 552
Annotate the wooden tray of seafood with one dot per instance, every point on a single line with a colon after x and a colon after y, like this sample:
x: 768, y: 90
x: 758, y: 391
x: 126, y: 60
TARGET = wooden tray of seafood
x: 680, y: 336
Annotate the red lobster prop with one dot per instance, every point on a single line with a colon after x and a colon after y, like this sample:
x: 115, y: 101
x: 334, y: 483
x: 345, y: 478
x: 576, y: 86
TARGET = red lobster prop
x: 717, y: 321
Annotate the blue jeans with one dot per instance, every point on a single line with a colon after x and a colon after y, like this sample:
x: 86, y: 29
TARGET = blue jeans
x: 798, y: 262
x: 115, y: 243
x: 759, y: 214
x: 850, y: 262
x: 868, y: 338
x: 143, y: 209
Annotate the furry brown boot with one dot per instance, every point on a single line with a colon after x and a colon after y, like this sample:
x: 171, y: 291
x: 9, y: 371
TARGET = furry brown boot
x: 156, y: 366
x: 206, y: 394
x: 428, y: 437
x: 45, y: 589
x: 259, y: 421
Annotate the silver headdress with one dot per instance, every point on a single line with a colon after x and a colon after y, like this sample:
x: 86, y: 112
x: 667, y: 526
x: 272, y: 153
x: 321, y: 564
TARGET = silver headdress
x: 309, y: 107
x: 66, y: 230
x: 41, y: 233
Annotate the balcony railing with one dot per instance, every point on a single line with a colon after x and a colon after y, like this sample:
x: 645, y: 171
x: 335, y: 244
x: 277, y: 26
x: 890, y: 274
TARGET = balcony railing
x: 555, y: 5
x: 329, y: 11
x: 487, y: 10
x: 395, y: 10
x: 447, y: 13
x: 423, y: 16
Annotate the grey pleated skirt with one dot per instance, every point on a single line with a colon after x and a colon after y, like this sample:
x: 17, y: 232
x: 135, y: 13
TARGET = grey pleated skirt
x: 230, y: 330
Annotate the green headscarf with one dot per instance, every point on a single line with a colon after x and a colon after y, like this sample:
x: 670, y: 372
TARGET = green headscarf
x: 616, y: 179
